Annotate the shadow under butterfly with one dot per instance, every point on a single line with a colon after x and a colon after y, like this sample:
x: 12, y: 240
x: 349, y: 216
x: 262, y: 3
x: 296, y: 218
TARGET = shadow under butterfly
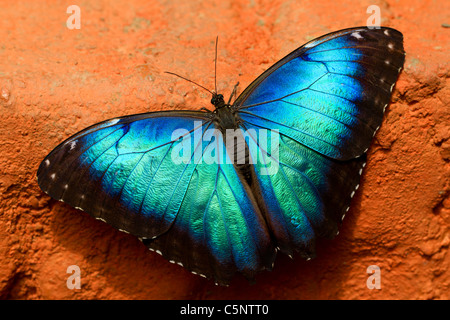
x: 217, y: 208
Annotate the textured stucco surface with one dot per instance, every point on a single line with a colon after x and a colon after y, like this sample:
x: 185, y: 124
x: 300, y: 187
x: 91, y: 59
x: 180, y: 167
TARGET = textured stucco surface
x: 55, y: 82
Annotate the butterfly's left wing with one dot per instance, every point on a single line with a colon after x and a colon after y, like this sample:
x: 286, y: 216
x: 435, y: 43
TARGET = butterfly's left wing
x: 325, y: 101
x: 147, y: 175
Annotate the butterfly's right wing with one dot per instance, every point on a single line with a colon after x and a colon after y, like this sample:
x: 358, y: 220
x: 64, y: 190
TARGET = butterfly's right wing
x: 145, y: 175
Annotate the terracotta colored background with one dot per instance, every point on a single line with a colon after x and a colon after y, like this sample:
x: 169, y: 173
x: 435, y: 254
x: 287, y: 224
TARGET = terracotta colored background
x: 55, y: 82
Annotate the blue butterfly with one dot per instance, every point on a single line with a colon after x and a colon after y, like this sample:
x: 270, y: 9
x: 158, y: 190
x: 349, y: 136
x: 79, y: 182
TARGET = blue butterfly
x: 223, y: 191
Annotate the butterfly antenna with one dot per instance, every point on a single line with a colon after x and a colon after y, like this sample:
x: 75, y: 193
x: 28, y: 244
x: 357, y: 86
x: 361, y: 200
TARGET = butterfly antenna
x: 189, y: 81
x: 215, y: 67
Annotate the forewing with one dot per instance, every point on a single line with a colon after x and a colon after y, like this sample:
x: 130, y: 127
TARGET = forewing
x: 121, y: 171
x: 331, y: 93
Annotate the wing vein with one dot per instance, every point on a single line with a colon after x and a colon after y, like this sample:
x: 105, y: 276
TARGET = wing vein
x: 283, y: 125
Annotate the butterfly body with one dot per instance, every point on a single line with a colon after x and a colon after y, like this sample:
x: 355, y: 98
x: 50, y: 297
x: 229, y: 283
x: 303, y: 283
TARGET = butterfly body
x: 226, y: 118
x: 223, y: 191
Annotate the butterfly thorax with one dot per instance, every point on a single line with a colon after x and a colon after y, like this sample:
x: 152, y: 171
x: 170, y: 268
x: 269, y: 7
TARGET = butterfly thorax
x: 224, y: 114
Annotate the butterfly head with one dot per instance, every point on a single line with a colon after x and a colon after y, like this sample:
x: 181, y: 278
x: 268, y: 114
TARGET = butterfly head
x: 217, y: 100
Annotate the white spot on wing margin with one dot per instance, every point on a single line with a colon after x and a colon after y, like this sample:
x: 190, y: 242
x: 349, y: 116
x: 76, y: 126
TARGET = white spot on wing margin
x: 357, y: 35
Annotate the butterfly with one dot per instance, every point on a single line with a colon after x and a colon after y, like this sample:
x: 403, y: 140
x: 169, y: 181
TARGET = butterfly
x: 218, y: 205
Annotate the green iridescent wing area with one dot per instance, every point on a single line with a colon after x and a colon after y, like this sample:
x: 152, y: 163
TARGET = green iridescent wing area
x: 163, y: 177
x: 330, y: 94
x: 305, y: 194
x: 219, y: 228
x: 325, y: 101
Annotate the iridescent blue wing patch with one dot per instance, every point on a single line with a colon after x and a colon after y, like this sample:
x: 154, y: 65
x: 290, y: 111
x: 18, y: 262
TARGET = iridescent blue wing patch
x: 306, y: 194
x: 117, y: 171
x: 159, y: 178
x: 331, y: 93
x: 326, y: 101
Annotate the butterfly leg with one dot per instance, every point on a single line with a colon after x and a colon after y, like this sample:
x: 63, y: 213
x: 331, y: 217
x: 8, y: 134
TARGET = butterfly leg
x: 233, y: 92
x: 205, y: 109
